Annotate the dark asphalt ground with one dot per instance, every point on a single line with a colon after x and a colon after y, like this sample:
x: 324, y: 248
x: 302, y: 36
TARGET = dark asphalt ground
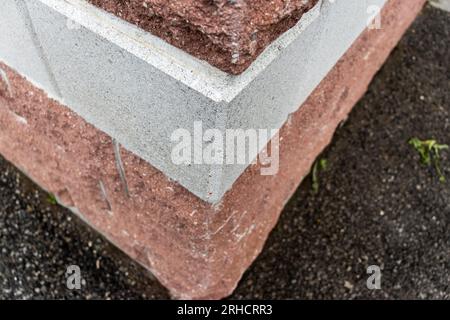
x: 377, y: 205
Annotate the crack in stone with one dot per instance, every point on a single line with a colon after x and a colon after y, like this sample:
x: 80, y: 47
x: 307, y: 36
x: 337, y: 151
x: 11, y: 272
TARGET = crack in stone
x: 119, y: 165
x: 105, y: 195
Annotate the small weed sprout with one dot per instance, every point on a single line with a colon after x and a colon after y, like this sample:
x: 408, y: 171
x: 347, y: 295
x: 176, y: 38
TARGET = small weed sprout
x: 52, y: 199
x: 320, y: 165
x: 429, y: 151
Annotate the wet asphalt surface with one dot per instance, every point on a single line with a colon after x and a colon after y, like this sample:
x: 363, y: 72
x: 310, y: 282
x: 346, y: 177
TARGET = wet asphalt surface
x: 376, y: 205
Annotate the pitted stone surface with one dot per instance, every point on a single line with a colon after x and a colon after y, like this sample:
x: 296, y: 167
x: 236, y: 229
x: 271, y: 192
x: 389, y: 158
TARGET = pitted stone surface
x: 227, y: 34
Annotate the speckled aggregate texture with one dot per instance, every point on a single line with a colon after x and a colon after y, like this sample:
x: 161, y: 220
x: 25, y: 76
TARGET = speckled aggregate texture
x: 227, y: 34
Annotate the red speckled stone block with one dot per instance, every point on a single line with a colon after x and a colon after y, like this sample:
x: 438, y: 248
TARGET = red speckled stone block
x: 228, y: 34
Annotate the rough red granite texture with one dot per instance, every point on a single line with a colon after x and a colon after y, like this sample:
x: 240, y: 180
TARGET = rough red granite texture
x: 227, y: 34
x: 195, y: 249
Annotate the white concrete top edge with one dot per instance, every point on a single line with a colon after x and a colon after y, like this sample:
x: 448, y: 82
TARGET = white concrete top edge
x: 193, y: 72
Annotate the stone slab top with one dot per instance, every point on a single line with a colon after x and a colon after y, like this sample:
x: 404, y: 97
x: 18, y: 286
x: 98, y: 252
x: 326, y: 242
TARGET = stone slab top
x: 228, y: 34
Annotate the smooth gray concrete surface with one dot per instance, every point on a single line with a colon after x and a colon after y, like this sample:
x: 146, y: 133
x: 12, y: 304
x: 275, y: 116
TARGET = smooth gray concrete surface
x: 376, y: 205
x: 441, y: 4
x: 20, y: 48
x: 138, y: 89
